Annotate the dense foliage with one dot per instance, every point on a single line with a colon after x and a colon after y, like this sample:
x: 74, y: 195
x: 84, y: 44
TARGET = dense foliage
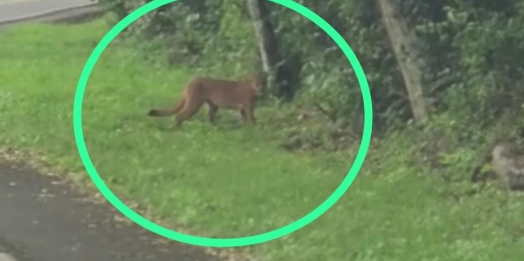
x: 471, y: 51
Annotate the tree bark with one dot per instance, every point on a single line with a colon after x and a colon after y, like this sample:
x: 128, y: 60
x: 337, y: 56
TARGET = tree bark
x: 272, y: 65
x: 402, y: 42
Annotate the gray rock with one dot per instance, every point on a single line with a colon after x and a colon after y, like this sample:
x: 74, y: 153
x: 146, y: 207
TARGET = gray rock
x: 508, y: 164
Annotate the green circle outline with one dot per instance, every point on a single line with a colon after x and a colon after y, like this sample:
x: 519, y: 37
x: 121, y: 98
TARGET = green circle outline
x: 222, y: 242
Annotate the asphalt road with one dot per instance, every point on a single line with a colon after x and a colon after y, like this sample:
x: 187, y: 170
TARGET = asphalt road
x: 44, y: 219
x: 15, y: 10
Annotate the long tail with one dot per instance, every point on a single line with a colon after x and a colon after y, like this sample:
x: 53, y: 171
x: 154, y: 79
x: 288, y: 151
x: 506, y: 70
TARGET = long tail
x: 167, y: 112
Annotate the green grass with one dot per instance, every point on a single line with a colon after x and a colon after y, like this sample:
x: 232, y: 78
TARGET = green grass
x: 234, y: 181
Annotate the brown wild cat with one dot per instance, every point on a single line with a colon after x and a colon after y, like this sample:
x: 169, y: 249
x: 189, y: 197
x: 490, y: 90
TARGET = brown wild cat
x: 216, y: 93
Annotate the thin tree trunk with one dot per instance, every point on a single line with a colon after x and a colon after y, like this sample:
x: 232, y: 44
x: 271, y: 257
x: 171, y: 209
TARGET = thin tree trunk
x: 405, y: 52
x: 268, y: 46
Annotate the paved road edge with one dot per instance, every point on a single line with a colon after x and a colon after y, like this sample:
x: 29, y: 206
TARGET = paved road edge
x: 76, y: 10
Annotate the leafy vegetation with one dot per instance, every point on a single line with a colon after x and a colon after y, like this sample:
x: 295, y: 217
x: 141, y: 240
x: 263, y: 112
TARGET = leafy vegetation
x: 413, y: 199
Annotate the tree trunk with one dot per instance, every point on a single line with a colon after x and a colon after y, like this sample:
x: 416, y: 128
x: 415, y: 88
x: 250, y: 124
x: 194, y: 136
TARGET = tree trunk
x: 269, y: 52
x: 402, y: 42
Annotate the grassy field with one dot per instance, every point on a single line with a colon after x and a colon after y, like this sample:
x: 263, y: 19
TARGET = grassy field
x: 234, y: 181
